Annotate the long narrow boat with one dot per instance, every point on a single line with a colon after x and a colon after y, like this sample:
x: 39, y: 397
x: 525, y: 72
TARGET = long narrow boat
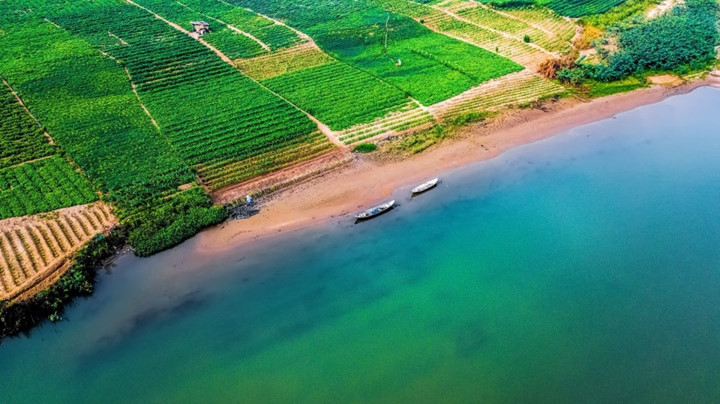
x: 375, y: 211
x: 425, y: 186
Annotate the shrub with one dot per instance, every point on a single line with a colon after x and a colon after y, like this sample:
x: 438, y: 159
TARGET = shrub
x: 366, y: 148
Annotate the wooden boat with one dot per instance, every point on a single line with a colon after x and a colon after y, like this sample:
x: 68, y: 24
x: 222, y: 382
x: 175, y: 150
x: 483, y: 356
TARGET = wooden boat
x: 425, y: 186
x: 377, y: 210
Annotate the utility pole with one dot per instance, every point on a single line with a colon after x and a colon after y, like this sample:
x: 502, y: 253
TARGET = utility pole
x: 387, y: 22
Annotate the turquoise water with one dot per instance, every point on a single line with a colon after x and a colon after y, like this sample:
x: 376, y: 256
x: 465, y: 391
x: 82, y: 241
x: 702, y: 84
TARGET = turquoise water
x: 583, y: 268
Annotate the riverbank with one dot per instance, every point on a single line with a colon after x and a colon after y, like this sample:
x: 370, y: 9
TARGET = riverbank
x: 370, y: 179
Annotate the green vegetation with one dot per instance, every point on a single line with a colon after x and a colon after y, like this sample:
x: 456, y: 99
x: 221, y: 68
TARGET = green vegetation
x: 234, y: 44
x: 365, y: 148
x: 79, y: 280
x: 172, y: 220
x: 421, y: 141
x: 33, y: 178
x: 602, y: 89
x: 681, y: 40
x: 340, y: 96
x: 327, y: 98
x: 41, y: 186
x: 21, y: 139
x: 625, y: 13
x: 570, y: 8
x: 428, y: 66
x: 207, y: 112
x: 470, y: 117
x: 579, y: 8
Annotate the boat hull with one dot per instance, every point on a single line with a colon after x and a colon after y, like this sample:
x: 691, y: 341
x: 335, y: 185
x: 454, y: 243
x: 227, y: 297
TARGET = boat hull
x: 375, y: 211
x: 425, y: 187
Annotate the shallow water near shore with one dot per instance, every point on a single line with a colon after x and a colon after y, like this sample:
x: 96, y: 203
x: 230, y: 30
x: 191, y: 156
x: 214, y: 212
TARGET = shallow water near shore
x: 585, y: 267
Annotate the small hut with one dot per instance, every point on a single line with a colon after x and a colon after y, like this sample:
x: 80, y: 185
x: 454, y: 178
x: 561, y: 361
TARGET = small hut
x: 200, y: 27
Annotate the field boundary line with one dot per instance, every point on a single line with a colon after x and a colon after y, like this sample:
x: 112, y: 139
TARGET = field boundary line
x: 501, y: 33
x: 27, y: 110
x: 321, y: 126
x: 312, y: 41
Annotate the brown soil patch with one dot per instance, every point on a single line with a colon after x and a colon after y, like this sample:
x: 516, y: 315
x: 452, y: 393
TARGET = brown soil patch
x: 35, y: 250
x: 667, y: 80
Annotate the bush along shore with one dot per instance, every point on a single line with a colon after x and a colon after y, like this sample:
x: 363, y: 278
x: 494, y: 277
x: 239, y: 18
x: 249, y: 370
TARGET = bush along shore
x: 20, y: 317
x: 683, y: 40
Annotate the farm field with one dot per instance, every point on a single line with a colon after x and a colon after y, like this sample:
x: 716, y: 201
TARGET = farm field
x: 34, y: 248
x: 570, y: 8
x: 33, y: 178
x: 430, y: 67
x: 515, y: 89
x: 337, y: 87
x: 136, y: 110
x: 527, y: 36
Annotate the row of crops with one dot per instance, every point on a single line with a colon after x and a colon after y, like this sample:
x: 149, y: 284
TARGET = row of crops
x: 21, y: 139
x: 32, y: 248
x: 525, y: 35
x: 106, y: 66
x: 86, y: 103
x: 570, y: 8
x: 515, y: 26
x: 216, y: 176
x: 285, y: 61
x: 41, y: 186
x: 411, y: 116
x: 209, y: 112
x: 340, y: 96
x: 275, y: 36
x: 33, y: 179
x: 579, y: 8
x: 514, y: 89
x: 430, y: 67
x: 235, y: 45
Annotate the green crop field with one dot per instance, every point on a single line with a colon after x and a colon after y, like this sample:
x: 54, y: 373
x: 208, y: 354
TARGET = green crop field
x: 33, y: 178
x: 145, y: 116
x: 428, y: 66
x: 125, y: 104
x: 570, y: 8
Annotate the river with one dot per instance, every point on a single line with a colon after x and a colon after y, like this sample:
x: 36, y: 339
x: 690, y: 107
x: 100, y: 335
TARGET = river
x: 581, y: 268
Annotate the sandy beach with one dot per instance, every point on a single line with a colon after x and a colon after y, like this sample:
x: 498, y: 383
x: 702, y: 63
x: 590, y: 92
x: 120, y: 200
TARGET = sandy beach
x: 369, y: 179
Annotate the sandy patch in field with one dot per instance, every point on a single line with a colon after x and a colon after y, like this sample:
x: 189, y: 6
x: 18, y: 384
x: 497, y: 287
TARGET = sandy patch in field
x: 667, y: 80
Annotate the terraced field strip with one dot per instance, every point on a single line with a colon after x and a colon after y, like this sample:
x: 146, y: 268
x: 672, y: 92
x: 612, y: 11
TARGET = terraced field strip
x: 34, y: 249
x: 33, y: 177
x: 489, y: 34
x: 513, y: 89
x: 412, y: 116
x: 547, y: 20
x: 303, y: 56
x: 518, y: 28
x: 321, y: 126
x: 216, y: 176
